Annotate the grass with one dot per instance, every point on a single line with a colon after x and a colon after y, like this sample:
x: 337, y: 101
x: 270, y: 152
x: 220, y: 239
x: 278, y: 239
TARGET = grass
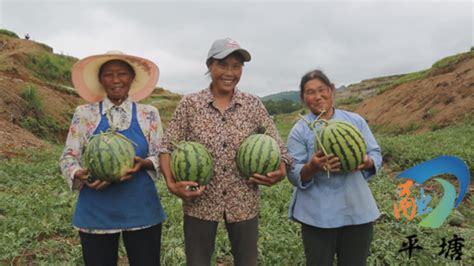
x: 37, y: 122
x: 404, y: 79
x: 36, y: 210
x: 166, y: 103
x: 51, y: 68
x: 351, y: 100
x: 440, y: 64
x: 448, y: 61
x: 8, y: 33
x: 408, y: 150
x: 33, y: 100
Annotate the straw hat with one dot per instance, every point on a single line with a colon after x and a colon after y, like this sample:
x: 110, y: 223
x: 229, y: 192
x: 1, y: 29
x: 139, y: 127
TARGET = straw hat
x: 85, y: 76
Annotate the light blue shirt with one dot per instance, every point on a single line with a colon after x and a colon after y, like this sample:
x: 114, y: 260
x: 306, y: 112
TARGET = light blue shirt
x: 344, y: 198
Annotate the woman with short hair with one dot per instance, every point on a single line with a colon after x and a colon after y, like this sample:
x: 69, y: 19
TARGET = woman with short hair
x: 220, y: 117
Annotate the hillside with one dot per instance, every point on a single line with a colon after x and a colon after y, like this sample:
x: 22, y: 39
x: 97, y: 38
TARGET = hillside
x: 37, y: 101
x: 292, y: 95
x: 286, y: 95
x: 426, y: 100
x: 430, y: 99
x: 34, y: 106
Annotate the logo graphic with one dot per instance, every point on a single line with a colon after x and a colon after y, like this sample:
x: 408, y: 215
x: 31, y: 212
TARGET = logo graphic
x: 424, y: 171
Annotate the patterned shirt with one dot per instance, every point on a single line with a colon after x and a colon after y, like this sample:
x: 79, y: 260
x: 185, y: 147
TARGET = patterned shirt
x: 196, y: 118
x: 85, y: 121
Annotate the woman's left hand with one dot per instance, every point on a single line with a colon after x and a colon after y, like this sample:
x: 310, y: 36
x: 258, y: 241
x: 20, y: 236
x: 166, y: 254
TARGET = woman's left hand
x: 271, y: 178
x: 367, y: 163
x: 139, y: 163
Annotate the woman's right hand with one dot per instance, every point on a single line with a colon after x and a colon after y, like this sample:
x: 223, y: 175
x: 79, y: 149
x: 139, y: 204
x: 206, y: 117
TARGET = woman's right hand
x: 183, y: 189
x: 320, y: 162
x: 83, y: 175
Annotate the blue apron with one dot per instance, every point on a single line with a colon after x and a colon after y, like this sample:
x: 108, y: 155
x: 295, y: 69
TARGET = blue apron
x: 130, y: 204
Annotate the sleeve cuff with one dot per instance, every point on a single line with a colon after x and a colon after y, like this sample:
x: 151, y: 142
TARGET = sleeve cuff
x: 368, y: 173
x: 156, y: 166
x: 295, y: 177
x: 74, y: 184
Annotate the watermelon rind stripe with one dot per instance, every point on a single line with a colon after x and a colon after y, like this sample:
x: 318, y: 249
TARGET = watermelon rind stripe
x: 348, y: 148
x: 356, y: 141
x: 191, y: 161
x: 260, y: 145
x: 258, y: 154
x: 343, y: 140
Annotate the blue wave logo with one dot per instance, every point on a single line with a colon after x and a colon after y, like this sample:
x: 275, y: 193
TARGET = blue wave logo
x: 437, y: 166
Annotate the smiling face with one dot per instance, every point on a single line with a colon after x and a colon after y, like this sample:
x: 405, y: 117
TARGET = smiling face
x: 116, y: 77
x: 318, y: 96
x: 225, y: 73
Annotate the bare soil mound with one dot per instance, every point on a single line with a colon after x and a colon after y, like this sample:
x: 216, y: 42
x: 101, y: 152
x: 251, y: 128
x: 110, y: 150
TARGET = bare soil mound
x: 444, y: 98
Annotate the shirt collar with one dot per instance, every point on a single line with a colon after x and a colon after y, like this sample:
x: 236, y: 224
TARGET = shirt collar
x: 237, y: 97
x: 126, y: 105
x: 312, y: 116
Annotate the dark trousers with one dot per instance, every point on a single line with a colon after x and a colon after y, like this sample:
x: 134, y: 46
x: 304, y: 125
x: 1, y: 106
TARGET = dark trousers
x: 143, y: 247
x: 351, y: 244
x: 200, y: 237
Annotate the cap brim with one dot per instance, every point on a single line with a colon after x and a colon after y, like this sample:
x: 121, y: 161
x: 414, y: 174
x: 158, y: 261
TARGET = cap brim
x: 85, y: 76
x: 225, y: 53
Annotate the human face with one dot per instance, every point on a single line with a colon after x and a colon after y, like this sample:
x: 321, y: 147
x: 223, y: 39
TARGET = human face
x: 317, y: 96
x: 225, y: 74
x: 116, y: 79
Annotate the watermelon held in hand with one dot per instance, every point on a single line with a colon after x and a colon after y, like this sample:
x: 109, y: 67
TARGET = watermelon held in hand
x: 108, y: 156
x: 258, y: 154
x: 191, y: 161
x: 343, y: 140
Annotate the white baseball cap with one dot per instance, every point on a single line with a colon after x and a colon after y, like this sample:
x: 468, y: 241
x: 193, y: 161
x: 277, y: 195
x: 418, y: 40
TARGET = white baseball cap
x: 224, y: 47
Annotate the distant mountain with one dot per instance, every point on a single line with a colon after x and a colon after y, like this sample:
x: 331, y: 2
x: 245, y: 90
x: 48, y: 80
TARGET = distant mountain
x: 289, y: 95
x: 286, y: 95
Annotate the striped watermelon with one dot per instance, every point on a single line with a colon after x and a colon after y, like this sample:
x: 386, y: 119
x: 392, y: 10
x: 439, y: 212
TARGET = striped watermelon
x: 191, y: 161
x: 344, y: 141
x: 258, y: 153
x: 108, y: 156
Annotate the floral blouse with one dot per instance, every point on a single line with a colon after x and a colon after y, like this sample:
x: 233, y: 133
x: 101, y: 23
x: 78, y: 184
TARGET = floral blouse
x: 197, y: 119
x: 85, y: 121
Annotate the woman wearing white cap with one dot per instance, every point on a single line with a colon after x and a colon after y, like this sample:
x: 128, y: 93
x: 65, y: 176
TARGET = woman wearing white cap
x: 112, y: 83
x: 220, y: 117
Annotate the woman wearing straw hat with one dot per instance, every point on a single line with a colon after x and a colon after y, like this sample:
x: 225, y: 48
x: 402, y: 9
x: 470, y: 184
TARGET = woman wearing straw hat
x: 220, y: 117
x: 112, y: 83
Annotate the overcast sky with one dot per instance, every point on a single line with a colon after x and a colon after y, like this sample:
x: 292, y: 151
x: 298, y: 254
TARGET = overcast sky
x: 349, y: 40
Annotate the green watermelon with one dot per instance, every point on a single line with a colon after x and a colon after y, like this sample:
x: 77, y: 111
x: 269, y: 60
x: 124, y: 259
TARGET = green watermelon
x: 108, y: 156
x: 344, y: 141
x: 258, y: 153
x: 191, y: 161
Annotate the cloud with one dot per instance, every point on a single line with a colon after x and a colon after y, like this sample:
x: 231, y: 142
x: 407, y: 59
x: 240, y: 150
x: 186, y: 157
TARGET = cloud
x: 351, y: 40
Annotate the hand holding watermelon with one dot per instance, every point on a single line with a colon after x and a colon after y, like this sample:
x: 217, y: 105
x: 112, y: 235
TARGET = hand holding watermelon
x: 108, y: 156
x: 319, y: 162
x: 270, y: 178
x: 187, y: 170
x: 139, y: 163
x: 366, y: 164
x: 86, y: 179
x: 340, y: 138
x: 187, y: 190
